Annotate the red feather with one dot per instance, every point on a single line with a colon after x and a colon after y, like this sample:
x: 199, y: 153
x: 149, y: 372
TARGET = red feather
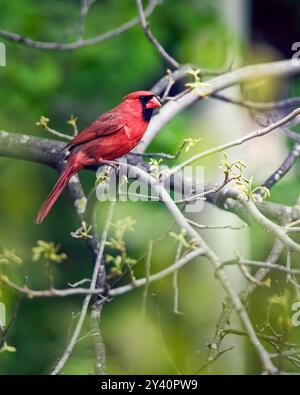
x: 106, y: 124
x: 111, y: 136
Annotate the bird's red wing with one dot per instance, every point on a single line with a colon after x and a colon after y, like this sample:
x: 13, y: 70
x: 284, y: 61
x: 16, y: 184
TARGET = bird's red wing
x: 109, y: 123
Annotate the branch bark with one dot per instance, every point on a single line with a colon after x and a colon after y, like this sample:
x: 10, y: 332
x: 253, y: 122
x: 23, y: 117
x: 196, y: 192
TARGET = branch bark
x: 282, y: 68
x: 58, y: 46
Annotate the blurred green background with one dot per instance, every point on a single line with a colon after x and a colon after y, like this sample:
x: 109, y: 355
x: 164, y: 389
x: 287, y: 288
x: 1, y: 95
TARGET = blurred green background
x: 86, y: 83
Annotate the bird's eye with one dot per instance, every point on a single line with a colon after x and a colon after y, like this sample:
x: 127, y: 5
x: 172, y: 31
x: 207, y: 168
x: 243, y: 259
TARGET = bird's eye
x: 145, y: 99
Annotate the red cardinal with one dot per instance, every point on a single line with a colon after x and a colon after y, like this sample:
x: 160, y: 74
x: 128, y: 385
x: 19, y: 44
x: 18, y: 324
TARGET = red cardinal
x: 111, y: 136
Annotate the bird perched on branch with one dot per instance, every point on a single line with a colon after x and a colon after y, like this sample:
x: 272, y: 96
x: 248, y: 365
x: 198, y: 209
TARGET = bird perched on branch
x: 111, y: 136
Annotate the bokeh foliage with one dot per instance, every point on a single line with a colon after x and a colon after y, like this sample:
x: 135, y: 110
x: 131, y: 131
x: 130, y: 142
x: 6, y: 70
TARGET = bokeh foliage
x: 86, y: 83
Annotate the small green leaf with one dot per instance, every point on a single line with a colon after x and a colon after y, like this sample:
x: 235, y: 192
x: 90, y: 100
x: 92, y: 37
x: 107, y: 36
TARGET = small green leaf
x: 47, y: 251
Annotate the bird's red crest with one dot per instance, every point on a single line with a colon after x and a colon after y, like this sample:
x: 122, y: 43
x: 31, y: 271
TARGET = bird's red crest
x: 137, y: 94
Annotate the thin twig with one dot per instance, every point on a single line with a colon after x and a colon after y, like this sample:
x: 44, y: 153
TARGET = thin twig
x: 215, y: 261
x: 238, y: 76
x: 276, y: 105
x: 5, y: 330
x: 237, y: 142
x: 284, y: 168
x: 62, y: 361
x: 80, y: 22
x: 148, y: 273
x: 267, y: 265
x: 151, y: 38
x: 159, y: 275
x: 53, y: 46
x: 270, y: 226
x: 175, y: 283
x: 200, y: 226
x: 228, y: 306
x: 99, y: 347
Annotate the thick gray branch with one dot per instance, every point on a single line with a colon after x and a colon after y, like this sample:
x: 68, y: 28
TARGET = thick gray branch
x: 282, y: 68
x: 46, y: 151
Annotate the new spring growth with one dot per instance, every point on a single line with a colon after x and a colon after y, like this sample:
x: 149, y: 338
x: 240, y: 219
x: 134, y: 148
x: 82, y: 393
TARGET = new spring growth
x: 48, y: 251
x: 197, y: 84
x: 182, y: 239
x: 234, y: 171
x: 84, y: 232
x: 121, y: 260
x: 9, y: 256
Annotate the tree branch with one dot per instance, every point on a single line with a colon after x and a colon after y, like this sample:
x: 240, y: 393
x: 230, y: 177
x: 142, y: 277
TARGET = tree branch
x: 151, y: 38
x: 57, y: 46
x: 282, y: 68
x: 237, y: 142
x: 284, y: 168
x: 276, y: 105
x: 61, y: 363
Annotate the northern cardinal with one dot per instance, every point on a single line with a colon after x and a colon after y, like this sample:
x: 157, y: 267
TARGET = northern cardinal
x: 111, y: 136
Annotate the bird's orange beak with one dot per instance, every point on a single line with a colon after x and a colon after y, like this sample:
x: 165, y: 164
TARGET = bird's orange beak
x: 153, y: 103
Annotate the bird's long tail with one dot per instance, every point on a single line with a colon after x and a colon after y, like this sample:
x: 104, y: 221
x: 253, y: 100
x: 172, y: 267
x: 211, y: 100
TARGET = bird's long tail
x: 65, y: 176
